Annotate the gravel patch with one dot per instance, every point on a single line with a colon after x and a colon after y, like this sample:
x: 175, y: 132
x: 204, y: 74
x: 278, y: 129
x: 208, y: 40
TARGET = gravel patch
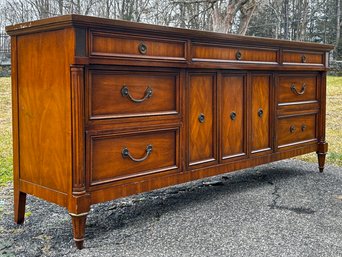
x: 285, y: 208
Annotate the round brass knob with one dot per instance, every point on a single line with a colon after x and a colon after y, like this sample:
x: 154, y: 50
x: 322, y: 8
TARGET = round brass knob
x: 260, y: 112
x: 238, y: 55
x: 201, y: 118
x: 292, y: 128
x: 233, y: 115
x: 303, y: 59
x: 142, y: 47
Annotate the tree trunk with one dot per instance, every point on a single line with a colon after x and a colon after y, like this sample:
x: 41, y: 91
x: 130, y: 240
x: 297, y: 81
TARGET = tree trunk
x: 338, y: 26
x: 247, y: 11
x: 286, y: 19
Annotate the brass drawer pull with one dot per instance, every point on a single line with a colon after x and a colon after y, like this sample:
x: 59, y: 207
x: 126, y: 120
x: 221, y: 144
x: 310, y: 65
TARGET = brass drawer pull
x: 142, y: 48
x: 292, y: 129
x: 303, y: 59
x: 260, y: 112
x: 125, y: 153
x: 294, y: 89
x: 303, y: 127
x: 125, y: 92
x: 233, y: 115
x: 201, y: 118
x: 238, y: 55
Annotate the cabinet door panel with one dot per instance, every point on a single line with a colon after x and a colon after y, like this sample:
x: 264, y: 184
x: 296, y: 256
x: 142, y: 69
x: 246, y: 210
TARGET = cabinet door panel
x: 260, y: 114
x: 201, y: 118
x: 233, y: 116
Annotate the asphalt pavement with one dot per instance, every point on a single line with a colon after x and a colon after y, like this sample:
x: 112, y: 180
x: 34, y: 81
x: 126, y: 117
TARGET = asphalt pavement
x: 285, y: 208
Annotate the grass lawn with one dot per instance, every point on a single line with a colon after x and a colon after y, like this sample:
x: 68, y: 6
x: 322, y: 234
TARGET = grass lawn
x: 5, y: 131
x: 334, y: 127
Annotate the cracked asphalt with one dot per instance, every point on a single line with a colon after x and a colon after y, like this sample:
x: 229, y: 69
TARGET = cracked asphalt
x: 285, y: 208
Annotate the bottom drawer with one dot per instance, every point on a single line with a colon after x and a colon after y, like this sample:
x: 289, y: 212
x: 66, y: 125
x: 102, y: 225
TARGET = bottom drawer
x: 123, y: 156
x: 296, y: 129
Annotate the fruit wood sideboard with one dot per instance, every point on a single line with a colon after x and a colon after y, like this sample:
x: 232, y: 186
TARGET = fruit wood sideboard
x: 104, y: 109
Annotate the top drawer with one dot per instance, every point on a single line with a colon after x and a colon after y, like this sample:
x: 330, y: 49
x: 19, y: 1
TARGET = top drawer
x: 218, y: 53
x: 136, y: 46
x: 296, y: 57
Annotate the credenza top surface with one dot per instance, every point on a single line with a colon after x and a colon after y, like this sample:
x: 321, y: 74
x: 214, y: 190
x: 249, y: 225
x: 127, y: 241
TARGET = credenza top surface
x: 73, y: 20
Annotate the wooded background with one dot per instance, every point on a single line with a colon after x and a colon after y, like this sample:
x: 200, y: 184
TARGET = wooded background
x: 304, y: 20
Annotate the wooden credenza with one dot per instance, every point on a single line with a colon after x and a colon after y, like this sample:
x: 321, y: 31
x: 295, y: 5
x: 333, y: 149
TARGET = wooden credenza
x: 104, y: 109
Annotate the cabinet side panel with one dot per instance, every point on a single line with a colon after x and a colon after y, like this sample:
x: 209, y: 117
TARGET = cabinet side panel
x: 44, y: 109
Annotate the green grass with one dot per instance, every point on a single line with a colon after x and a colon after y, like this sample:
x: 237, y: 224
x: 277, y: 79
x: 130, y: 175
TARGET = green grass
x: 6, y: 158
x: 334, y: 127
x: 334, y: 124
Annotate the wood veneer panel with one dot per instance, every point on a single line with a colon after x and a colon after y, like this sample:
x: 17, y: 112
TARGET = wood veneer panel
x: 126, y: 45
x: 297, y: 88
x: 108, y: 164
x: 201, y: 133
x: 233, y: 115
x: 260, y: 113
x: 292, y: 130
x: 303, y: 57
x: 229, y: 53
x: 106, y: 99
x: 45, y: 109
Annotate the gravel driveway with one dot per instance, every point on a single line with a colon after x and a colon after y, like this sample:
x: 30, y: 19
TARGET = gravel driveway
x: 285, y: 208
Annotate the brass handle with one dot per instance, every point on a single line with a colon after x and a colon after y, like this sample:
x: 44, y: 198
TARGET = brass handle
x: 233, y: 115
x: 125, y: 92
x: 294, y: 89
x: 142, y: 48
x: 303, y: 58
x: 303, y: 127
x: 201, y: 118
x: 260, y: 112
x: 125, y: 153
x: 238, y: 55
x: 292, y: 129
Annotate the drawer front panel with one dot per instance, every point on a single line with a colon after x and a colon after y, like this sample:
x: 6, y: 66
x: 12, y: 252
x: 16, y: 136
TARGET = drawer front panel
x: 122, y: 45
x: 233, y: 116
x: 294, y: 130
x: 219, y: 53
x: 201, y: 119
x: 303, y: 57
x: 294, y: 88
x: 261, y: 138
x: 127, y: 94
x: 117, y: 157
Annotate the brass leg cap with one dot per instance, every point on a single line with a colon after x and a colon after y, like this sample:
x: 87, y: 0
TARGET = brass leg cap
x: 79, y: 244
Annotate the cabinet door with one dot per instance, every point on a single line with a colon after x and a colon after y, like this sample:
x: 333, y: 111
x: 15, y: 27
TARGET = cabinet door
x: 233, y: 108
x: 260, y: 114
x: 201, y: 119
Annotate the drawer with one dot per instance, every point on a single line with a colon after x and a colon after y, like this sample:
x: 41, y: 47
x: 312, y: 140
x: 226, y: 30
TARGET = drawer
x: 130, y: 94
x: 205, y: 52
x: 136, y: 46
x: 303, y: 57
x: 116, y: 157
x: 296, y: 129
x: 297, y: 88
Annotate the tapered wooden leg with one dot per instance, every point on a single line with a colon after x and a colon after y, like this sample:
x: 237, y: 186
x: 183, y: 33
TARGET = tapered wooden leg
x: 78, y: 225
x: 321, y: 154
x: 321, y: 161
x: 19, y: 206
